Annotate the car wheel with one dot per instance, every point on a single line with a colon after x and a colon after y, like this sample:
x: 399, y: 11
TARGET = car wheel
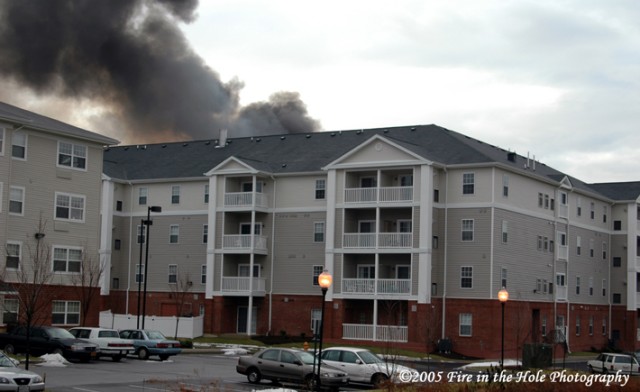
x: 378, y: 379
x: 164, y: 357
x: 116, y: 358
x: 311, y: 381
x: 143, y: 353
x: 254, y: 376
x: 9, y: 349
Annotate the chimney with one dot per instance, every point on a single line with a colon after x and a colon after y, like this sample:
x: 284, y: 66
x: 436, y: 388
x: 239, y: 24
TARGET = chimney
x: 223, y: 138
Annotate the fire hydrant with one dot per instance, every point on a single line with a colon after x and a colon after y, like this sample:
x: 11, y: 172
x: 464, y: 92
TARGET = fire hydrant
x: 305, y: 346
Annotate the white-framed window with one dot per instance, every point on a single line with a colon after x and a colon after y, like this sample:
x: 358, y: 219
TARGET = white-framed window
x: 205, y: 233
x: 72, y: 155
x: 540, y: 199
x: 203, y: 274
x: 503, y: 278
x: 65, y: 312
x: 321, y: 189
x: 175, y: 194
x: 593, y: 210
x: 590, y: 286
x: 579, y: 206
x: 604, y: 214
x: 174, y: 234
x: 139, y: 273
x: 591, y: 251
x: 505, y: 231
x: 366, y: 271
x: 578, y: 245
x: 405, y: 226
x: 11, y: 306
x: 143, y: 194
x: 14, y: 254
x: 544, y: 326
x: 206, y: 194
x: 141, y: 233
x: 546, y: 201
x: 467, y: 230
x: 564, y: 199
x: 244, y: 269
x: 67, y: 259
x: 403, y: 272
x: 577, y: 285
x: 468, y: 183
x: 316, y: 271
x: 604, y: 287
x: 19, y: 145
x: 172, y: 277
x: 466, y: 277
x: 590, y: 325
x: 16, y: 200
x: 318, y: 231
x: 505, y: 185
x: 604, y: 326
x: 316, y: 317
x: 406, y: 180
x: 245, y: 228
x: 466, y: 324
x: 70, y: 207
x: 604, y: 251
x: 578, y: 326
x: 540, y: 242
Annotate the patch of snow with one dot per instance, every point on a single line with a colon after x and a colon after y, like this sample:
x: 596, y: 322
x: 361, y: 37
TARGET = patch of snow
x: 496, y: 364
x: 53, y: 360
x: 275, y: 390
x: 235, y: 351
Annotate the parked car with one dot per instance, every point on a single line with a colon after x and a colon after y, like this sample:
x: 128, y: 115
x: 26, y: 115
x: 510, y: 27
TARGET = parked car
x: 613, y: 362
x: 48, y: 340
x: 363, y: 366
x: 285, y: 364
x: 109, y: 341
x: 148, y: 342
x: 13, y: 378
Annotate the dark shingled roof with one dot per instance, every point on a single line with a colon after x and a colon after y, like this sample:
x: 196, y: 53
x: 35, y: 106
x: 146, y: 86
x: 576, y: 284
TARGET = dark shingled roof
x: 298, y: 153
x: 627, y: 191
x: 15, y: 115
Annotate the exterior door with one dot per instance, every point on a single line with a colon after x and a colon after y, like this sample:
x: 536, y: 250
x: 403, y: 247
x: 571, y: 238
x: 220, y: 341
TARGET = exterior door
x: 242, y: 319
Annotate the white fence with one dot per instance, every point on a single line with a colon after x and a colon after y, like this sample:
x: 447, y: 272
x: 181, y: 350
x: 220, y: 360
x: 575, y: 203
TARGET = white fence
x: 188, y: 327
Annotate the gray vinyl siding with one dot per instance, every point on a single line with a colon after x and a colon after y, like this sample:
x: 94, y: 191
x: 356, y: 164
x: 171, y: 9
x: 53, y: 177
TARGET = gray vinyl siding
x: 437, y: 255
x: 587, y: 267
x: 619, y: 282
x: 296, y: 252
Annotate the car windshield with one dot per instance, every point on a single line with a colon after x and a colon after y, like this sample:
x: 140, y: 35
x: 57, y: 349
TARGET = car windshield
x: 306, y: 357
x: 369, y: 357
x: 6, y: 362
x: 155, y: 335
x: 60, y: 333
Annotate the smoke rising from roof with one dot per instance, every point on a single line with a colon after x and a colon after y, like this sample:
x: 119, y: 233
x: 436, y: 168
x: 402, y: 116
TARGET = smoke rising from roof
x: 131, y: 57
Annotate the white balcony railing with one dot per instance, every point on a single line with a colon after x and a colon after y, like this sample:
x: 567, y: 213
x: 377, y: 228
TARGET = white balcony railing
x: 385, y: 240
x: 394, y: 286
x: 561, y: 293
x: 379, y: 195
x: 243, y: 242
x: 383, y: 286
x: 240, y: 284
x: 245, y: 199
x: 563, y: 252
x: 563, y: 211
x: 358, y: 286
x: 384, y: 333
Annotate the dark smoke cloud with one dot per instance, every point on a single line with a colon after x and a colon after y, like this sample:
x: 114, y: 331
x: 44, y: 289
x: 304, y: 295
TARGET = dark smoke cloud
x: 131, y: 57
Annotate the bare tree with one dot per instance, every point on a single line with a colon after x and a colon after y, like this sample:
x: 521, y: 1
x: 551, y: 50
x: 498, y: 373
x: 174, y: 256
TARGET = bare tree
x: 30, y: 280
x: 86, y: 282
x: 179, y: 293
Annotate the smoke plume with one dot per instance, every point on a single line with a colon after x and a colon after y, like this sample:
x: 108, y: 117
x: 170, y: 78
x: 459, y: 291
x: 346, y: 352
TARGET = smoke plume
x: 130, y: 57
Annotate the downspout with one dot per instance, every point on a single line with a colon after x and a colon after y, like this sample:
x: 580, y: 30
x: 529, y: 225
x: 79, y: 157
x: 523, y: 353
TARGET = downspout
x: 491, y: 235
x: 446, y: 247
x: 273, y: 252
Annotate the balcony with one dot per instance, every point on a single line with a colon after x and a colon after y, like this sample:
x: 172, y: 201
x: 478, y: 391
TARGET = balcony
x: 239, y: 285
x: 241, y: 243
x: 563, y: 252
x: 561, y: 293
x: 384, y: 240
x: 383, y: 333
x: 396, y: 194
x: 383, y: 286
x: 245, y: 199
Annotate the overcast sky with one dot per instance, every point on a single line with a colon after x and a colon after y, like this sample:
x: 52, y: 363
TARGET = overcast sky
x: 555, y: 79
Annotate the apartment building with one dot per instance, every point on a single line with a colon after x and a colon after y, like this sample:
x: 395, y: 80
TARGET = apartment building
x: 50, y: 195
x: 420, y: 227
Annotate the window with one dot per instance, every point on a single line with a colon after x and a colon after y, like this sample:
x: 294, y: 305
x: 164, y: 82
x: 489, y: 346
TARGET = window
x: 466, y: 324
x: 591, y: 252
x: 578, y: 326
x: 590, y: 325
x: 617, y: 298
x: 579, y: 206
x: 143, y: 193
x: 593, y: 210
x: 203, y: 274
x: 546, y: 201
x: 16, y: 200
x: 503, y: 277
x: 405, y: 225
x: 505, y: 185
x: 604, y: 326
x: 505, y: 232
x: 539, y: 242
x: 604, y: 214
x: 65, y: 313
x: 617, y: 225
x: 316, y: 315
x: 115, y: 283
x: 468, y: 183
x: 321, y: 186
x: 119, y: 205
x: 436, y: 196
x: 174, y: 232
x: 117, y: 244
x: 466, y: 277
x: 19, y: 145
x: 206, y: 194
x: 318, y: 232
x: 578, y: 245
x: 467, y: 230
x: 590, y: 286
x: 10, y: 311
x: 72, y: 155
x: 1, y: 141
x: 69, y: 207
x: 175, y: 194
x: 617, y: 261
x: 406, y: 180
x: 604, y: 287
x: 540, y: 199
x: 13, y: 250
x: 142, y: 233
x: 366, y: 271
x: 173, y: 274
x: 139, y: 273
x: 544, y: 326
x: 67, y: 259
x: 434, y: 242
x: 205, y: 233
x: 577, y: 285
x: 604, y: 251
x: 317, y: 270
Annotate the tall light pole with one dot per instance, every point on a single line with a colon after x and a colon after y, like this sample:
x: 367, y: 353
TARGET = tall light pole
x: 147, y: 223
x: 324, y: 280
x: 139, y: 272
x: 503, y: 296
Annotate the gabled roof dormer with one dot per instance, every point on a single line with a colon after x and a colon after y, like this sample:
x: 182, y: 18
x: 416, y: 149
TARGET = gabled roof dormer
x: 232, y: 166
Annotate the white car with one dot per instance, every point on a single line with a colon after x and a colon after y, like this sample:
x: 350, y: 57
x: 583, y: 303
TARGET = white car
x: 13, y: 378
x: 363, y: 366
x: 109, y: 341
x: 613, y: 362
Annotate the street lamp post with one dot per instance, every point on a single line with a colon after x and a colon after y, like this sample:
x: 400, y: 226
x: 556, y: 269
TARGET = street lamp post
x: 147, y: 223
x: 139, y: 272
x: 324, y: 280
x: 503, y: 296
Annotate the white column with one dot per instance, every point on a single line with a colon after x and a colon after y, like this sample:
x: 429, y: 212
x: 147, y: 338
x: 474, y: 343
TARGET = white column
x: 106, y: 226
x: 425, y: 235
